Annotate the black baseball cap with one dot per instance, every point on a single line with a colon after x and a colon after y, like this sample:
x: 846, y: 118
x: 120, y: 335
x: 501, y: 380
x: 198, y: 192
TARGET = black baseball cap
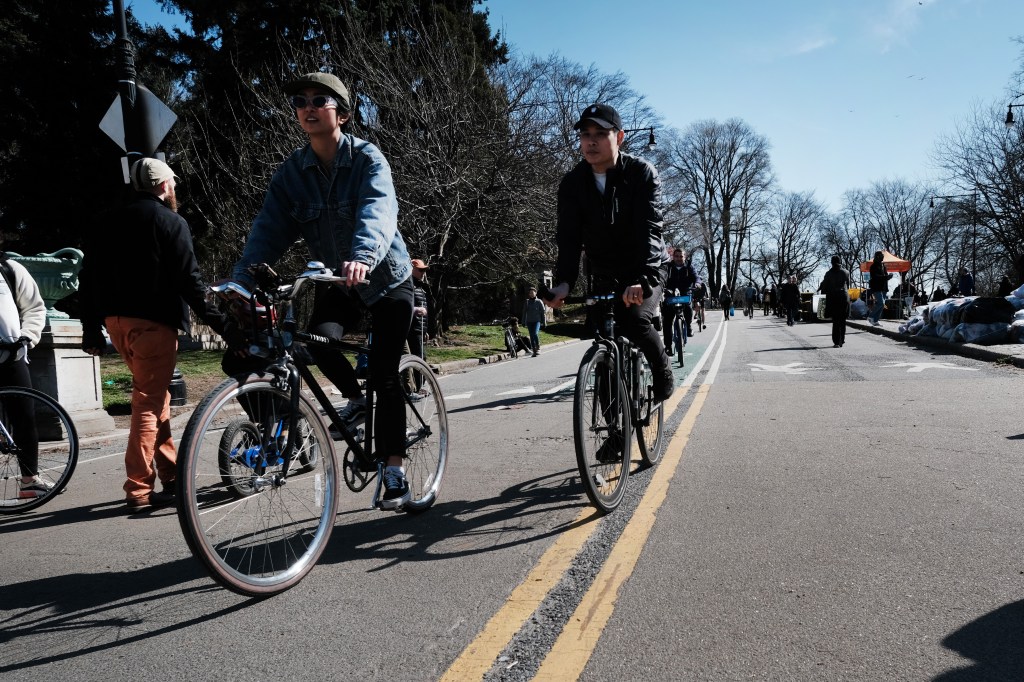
x: 603, y: 115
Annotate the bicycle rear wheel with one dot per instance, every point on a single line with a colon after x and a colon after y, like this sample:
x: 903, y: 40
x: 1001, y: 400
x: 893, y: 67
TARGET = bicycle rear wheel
x: 426, y: 428
x: 601, y: 429
x: 679, y: 336
x: 31, y: 421
x: 650, y: 423
x: 257, y: 532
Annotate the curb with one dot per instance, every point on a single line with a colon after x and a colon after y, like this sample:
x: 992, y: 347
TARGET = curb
x: 971, y: 350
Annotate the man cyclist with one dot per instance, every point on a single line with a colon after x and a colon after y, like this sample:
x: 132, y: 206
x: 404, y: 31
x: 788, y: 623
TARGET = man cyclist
x: 698, y: 294
x: 610, y: 204
x: 681, y: 277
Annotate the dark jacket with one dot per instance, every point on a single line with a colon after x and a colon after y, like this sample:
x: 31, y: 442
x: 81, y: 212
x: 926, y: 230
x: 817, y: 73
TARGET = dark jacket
x: 879, y: 279
x: 620, y: 230
x: 835, y: 283
x: 419, y: 300
x: 789, y: 294
x: 680, y: 278
x: 139, y: 262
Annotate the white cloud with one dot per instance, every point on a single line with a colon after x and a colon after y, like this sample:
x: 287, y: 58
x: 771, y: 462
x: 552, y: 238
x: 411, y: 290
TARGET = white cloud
x: 900, y: 20
x: 814, y: 44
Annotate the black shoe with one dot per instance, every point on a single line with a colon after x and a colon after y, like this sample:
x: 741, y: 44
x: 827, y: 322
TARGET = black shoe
x: 689, y: 332
x: 664, y: 385
x: 166, y: 497
x: 396, y: 489
x: 610, y: 450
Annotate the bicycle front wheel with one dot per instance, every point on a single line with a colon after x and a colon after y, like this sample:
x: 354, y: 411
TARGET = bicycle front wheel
x: 602, y: 430
x: 426, y: 429
x: 650, y: 422
x: 257, y: 531
x: 36, y: 437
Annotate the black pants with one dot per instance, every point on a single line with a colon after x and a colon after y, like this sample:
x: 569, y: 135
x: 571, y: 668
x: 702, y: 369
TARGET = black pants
x: 838, y: 308
x: 668, y: 315
x: 334, y: 310
x: 18, y: 416
x: 635, y: 324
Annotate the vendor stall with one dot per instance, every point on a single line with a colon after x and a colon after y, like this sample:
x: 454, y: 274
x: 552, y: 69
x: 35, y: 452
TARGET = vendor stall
x: 893, y: 264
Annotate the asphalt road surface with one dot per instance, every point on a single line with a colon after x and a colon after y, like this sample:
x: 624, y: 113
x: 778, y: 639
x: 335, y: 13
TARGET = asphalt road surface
x: 820, y: 514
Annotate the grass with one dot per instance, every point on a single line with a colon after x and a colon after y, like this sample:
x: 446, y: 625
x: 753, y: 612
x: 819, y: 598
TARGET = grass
x: 201, y: 368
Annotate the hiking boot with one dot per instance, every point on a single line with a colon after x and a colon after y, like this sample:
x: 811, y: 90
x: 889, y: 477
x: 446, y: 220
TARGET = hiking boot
x: 396, y: 489
x: 664, y: 384
x: 37, y: 487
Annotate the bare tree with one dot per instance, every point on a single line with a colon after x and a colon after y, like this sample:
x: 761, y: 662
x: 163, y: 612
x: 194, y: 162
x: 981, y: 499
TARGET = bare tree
x: 720, y: 179
x: 797, y: 225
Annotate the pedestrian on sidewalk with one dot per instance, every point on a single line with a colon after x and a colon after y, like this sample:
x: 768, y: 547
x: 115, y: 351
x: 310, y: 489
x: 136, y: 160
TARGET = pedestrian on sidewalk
x: 878, y: 285
x: 22, y: 318
x: 789, y: 294
x: 138, y: 278
x: 533, y: 318
x: 835, y: 285
x: 725, y: 298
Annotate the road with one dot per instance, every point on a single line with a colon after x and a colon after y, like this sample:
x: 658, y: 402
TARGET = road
x: 820, y: 513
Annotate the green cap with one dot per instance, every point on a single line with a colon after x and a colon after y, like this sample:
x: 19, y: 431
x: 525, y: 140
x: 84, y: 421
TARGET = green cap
x: 321, y: 81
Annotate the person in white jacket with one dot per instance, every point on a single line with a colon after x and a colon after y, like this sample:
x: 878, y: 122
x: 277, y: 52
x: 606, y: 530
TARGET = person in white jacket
x: 22, y: 317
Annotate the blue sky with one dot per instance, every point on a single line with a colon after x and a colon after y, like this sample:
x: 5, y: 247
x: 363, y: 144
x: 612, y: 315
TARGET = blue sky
x: 848, y: 92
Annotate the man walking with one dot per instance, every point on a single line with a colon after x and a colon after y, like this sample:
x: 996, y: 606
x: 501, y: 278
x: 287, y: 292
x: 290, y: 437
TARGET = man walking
x: 835, y: 285
x: 533, y: 318
x: 139, y: 273
x: 790, y: 296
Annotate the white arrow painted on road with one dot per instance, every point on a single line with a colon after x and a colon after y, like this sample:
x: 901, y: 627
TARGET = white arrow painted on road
x: 922, y: 366
x: 459, y: 396
x: 791, y: 368
x: 560, y: 387
x: 517, y: 391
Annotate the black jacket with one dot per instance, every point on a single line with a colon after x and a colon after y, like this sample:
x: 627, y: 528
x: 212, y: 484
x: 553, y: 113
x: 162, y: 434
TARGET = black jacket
x: 879, y: 278
x: 621, y: 230
x: 683, y: 278
x: 139, y: 262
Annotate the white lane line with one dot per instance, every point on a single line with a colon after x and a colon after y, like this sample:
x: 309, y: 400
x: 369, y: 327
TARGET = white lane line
x: 518, y: 391
x: 713, y: 372
x: 692, y: 376
x: 571, y: 383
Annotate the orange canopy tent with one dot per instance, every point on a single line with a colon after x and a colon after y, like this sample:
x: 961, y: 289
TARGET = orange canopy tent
x: 892, y: 263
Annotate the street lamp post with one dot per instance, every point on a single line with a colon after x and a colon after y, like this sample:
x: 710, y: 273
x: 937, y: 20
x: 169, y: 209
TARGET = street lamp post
x: 974, y: 224
x: 1009, y: 110
x: 651, y: 144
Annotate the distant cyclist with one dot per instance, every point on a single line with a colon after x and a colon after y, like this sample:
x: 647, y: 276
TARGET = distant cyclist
x: 681, y: 278
x: 699, y: 294
x: 610, y: 205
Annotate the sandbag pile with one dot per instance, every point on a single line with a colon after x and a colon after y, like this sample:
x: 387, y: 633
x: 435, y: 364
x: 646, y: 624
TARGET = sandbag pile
x: 982, y: 320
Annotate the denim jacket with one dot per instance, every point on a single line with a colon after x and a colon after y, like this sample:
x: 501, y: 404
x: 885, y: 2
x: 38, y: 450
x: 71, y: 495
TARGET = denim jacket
x: 349, y: 215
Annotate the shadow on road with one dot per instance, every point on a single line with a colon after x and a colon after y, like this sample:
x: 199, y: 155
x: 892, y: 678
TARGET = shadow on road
x: 995, y: 642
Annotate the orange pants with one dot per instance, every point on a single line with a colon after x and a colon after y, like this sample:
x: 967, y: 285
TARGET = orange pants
x: 150, y: 350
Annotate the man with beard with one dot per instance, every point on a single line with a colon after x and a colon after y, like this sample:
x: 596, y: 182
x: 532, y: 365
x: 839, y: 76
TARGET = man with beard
x: 138, y: 279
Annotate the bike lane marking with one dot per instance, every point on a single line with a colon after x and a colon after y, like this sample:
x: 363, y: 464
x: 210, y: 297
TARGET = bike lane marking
x: 482, y: 653
x: 575, y: 645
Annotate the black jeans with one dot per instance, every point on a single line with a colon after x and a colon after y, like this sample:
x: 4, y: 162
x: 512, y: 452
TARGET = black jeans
x: 18, y: 415
x: 334, y: 310
x: 668, y: 315
x: 838, y: 308
x: 634, y: 323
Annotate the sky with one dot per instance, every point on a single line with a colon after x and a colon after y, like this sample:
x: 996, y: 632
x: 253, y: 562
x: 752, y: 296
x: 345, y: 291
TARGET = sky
x: 848, y: 92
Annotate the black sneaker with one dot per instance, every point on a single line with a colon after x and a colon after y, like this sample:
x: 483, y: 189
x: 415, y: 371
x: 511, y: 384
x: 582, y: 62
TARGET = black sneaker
x: 396, y: 489
x: 664, y: 385
x: 610, y: 450
x: 166, y: 497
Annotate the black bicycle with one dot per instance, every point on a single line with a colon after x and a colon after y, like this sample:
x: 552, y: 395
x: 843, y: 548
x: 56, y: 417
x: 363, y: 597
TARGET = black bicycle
x: 514, y: 340
x: 33, y: 427
x: 614, y: 396
x: 257, y: 467
x: 680, y: 302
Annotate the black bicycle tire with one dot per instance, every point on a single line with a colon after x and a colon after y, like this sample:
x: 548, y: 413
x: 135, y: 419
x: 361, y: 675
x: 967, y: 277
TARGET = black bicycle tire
x: 426, y: 496
x: 588, y: 464
x: 70, y: 434
x: 650, y: 448
x: 679, y: 339
x: 189, y: 513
